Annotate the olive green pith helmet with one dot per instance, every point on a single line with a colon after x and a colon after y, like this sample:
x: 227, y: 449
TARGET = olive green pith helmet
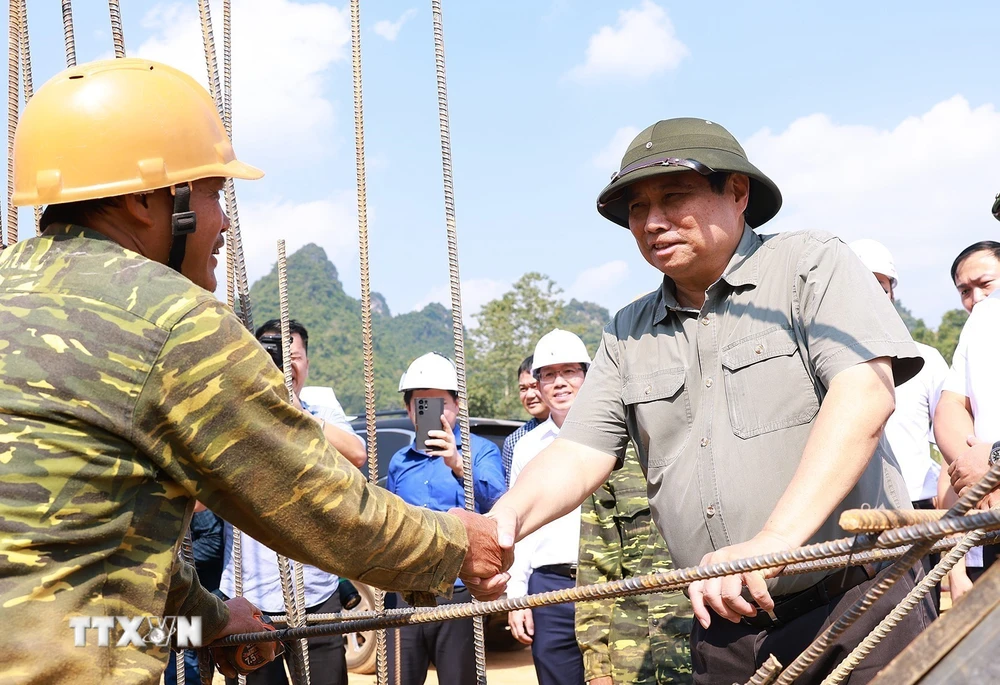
x: 687, y: 144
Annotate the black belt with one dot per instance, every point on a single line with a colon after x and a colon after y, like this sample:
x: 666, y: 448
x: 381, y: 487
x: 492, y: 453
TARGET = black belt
x: 924, y: 504
x: 564, y: 570
x: 787, y: 609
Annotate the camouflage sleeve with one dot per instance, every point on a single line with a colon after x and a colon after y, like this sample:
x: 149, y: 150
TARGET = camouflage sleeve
x: 213, y: 415
x: 600, y: 561
x: 187, y: 597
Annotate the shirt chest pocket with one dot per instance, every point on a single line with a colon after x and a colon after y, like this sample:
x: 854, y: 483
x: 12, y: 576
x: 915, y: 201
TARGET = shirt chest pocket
x: 767, y: 385
x: 658, y: 411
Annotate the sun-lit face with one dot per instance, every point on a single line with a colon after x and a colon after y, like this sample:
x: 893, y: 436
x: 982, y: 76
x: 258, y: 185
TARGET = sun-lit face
x: 683, y: 227
x: 559, y: 385
x: 976, y: 277
x: 204, y: 244
x: 886, y: 284
x: 531, y: 398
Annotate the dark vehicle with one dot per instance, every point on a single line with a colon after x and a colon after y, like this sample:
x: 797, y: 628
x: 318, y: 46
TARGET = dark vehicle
x: 393, y: 431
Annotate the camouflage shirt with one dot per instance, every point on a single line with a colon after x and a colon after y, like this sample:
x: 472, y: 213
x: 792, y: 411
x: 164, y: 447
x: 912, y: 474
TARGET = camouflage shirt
x: 641, y: 639
x: 125, y: 392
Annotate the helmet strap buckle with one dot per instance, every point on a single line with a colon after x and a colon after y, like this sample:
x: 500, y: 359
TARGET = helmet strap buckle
x: 182, y: 223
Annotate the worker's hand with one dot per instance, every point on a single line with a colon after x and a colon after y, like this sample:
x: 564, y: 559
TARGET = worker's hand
x: 601, y: 680
x: 971, y: 465
x: 724, y: 595
x: 508, y: 525
x: 244, y: 617
x: 442, y: 444
x: 990, y: 501
x: 958, y: 582
x: 484, y: 570
x: 522, y: 625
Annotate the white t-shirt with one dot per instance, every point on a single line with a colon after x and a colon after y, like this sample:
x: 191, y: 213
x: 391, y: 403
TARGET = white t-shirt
x: 975, y: 368
x: 908, y: 429
x: 557, y: 542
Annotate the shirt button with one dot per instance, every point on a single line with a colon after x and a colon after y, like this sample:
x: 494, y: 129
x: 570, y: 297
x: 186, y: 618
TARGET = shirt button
x: 710, y: 510
x: 759, y: 349
x: 708, y: 382
x: 705, y: 321
x: 649, y: 389
x: 704, y: 442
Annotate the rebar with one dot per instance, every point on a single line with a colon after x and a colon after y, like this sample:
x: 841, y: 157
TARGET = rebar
x: 68, y: 37
x: 13, y: 106
x: 455, y: 283
x: 953, y: 522
x: 367, y: 346
x: 29, y: 87
x: 117, y: 32
x: 877, y: 520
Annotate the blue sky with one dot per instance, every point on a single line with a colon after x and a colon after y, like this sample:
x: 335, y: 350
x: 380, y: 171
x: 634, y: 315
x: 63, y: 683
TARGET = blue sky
x: 875, y: 119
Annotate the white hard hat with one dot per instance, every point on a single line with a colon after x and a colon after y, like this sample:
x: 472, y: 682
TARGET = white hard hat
x: 559, y: 347
x: 432, y: 371
x: 876, y: 257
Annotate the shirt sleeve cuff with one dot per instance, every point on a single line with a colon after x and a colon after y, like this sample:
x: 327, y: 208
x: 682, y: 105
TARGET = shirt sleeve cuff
x: 906, y: 359
x: 588, y: 436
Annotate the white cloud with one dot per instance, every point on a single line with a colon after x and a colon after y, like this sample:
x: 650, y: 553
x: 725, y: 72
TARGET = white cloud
x: 282, y: 51
x: 475, y: 293
x: 610, y: 156
x: 595, y: 283
x: 641, y: 45
x: 390, y: 29
x: 330, y: 223
x: 922, y: 187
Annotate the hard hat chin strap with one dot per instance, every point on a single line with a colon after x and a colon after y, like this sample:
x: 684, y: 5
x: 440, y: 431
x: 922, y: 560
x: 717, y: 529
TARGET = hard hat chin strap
x: 182, y: 222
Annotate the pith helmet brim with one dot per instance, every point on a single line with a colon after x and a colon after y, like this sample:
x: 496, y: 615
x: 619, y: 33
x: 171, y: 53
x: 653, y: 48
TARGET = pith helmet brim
x: 702, y: 141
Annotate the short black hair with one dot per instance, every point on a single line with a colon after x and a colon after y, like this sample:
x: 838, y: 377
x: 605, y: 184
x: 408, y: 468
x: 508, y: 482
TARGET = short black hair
x: 717, y: 181
x: 76, y: 212
x: 408, y: 395
x: 982, y: 246
x: 274, y: 326
x: 525, y: 366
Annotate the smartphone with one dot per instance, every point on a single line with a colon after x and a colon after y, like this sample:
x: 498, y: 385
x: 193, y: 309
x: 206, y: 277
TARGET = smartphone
x: 429, y: 410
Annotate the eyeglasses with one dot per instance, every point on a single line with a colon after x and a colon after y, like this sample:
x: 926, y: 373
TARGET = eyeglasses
x: 692, y: 164
x: 550, y: 375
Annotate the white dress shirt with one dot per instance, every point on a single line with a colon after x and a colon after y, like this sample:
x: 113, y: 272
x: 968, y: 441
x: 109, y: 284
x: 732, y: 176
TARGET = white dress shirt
x: 975, y: 373
x: 908, y: 429
x: 557, y: 542
x: 975, y: 368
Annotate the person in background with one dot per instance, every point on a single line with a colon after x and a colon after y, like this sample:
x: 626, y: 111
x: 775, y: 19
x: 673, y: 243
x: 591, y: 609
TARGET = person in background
x: 432, y: 477
x: 531, y: 400
x: 640, y: 639
x: 547, y: 559
x: 976, y: 272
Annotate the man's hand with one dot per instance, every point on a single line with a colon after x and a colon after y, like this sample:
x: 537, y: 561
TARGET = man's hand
x: 601, y: 680
x: 971, y: 466
x: 442, y: 444
x: 486, y: 562
x: 244, y: 617
x: 522, y: 625
x: 724, y: 595
x: 958, y: 582
x: 990, y: 501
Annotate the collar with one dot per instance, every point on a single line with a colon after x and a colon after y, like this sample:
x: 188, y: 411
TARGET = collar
x: 743, y: 269
x: 548, y: 427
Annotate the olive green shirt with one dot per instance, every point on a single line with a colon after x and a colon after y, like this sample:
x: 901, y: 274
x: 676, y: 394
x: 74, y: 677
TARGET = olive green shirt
x: 125, y: 393
x: 720, y: 401
x: 640, y: 639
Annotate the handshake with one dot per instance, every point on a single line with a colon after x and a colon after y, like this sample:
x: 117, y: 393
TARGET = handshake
x: 490, y: 554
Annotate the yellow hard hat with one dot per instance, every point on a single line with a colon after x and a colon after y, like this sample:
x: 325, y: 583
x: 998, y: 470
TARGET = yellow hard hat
x: 115, y: 127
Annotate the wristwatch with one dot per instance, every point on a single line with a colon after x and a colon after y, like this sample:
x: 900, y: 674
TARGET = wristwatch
x: 995, y: 454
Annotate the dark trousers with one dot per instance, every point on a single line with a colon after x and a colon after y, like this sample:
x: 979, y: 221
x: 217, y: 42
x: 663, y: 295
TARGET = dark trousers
x: 554, y: 649
x: 449, y: 645
x: 731, y: 652
x: 327, y: 658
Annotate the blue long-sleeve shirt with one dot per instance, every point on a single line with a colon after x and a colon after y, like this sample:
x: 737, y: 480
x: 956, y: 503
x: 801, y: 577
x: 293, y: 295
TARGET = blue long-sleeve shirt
x: 428, y: 482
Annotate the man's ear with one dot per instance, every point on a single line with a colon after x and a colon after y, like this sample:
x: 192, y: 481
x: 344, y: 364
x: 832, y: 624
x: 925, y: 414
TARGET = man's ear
x: 740, y: 184
x: 140, y: 208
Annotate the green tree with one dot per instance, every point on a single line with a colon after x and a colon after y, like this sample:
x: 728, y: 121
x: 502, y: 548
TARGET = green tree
x: 946, y: 339
x: 507, y: 330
